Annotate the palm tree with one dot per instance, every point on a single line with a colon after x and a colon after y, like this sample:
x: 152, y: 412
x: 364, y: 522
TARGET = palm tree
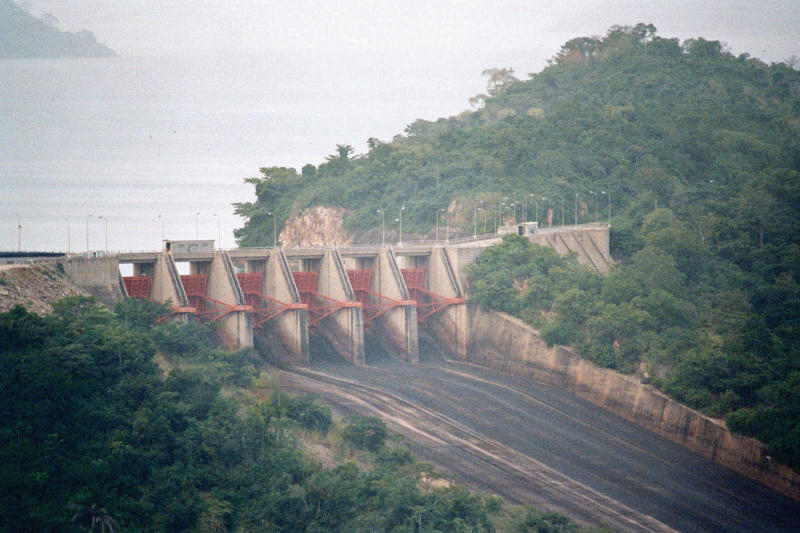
x: 94, y: 518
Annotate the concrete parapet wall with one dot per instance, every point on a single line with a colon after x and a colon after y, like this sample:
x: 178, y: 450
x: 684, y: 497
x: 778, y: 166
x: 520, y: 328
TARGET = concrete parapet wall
x: 504, y: 343
x: 96, y: 276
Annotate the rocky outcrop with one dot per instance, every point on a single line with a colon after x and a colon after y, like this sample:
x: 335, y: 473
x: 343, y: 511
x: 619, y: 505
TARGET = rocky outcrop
x: 35, y: 287
x: 505, y: 343
x: 316, y: 226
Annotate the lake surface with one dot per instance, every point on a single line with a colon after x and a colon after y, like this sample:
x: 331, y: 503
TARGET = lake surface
x: 129, y: 139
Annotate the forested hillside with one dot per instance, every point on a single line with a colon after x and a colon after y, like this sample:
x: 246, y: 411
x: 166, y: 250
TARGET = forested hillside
x: 693, y: 154
x: 110, y: 423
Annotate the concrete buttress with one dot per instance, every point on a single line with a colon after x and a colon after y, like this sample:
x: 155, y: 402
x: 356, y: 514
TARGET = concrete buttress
x: 450, y: 325
x: 282, y: 320
x: 232, y: 315
x: 343, y: 328
x: 398, y: 324
x: 167, y: 288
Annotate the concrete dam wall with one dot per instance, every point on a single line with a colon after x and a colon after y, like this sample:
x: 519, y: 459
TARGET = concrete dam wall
x: 505, y: 343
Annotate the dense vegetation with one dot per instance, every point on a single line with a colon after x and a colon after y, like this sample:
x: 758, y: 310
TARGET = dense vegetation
x: 94, y: 437
x: 694, y: 156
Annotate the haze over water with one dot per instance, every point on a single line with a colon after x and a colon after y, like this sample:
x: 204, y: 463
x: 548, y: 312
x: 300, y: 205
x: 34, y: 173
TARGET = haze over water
x: 134, y: 138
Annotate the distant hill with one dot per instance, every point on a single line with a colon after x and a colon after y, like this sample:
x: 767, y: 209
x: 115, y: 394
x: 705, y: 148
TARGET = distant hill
x: 24, y: 36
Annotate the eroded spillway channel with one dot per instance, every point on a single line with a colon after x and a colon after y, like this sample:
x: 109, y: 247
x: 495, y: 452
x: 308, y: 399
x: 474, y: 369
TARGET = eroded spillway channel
x: 532, y: 443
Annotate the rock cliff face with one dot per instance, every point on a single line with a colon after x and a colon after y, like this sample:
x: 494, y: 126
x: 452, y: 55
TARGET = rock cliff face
x: 504, y: 343
x: 35, y: 287
x: 317, y: 226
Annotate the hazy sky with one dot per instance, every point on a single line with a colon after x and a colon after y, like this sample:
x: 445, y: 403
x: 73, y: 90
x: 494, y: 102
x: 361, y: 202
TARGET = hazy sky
x: 764, y: 28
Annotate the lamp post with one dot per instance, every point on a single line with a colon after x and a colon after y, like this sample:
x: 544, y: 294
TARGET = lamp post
x: 475, y: 220
x: 19, y: 233
x: 162, y: 230
x: 475, y: 223
x: 274, y: 229
x: 596, y: 217
x: 383, y: 227
x: 437, y: 221
x: 68, y: 237
x: 550, y: 219
x: 576, y: 208
x: 447, y: 218
x: 87, y: 232
x: 609, y: 205
x: 525, y: 207
x: 400, y: 227
x: 197, y: 226
x: 484, y: 221
x: 106, y: 221
x: 219, y: 231
x: 562, y: 208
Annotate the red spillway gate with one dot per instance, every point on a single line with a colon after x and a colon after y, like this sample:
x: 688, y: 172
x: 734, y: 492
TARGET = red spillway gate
x: 137, y: 286
x: 319, y: 305
x: 374, y: 304
x: 428, y: 302
x: 264, y: 307
x: 208, y: 308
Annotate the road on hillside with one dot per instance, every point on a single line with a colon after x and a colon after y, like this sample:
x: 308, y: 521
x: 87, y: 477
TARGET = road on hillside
x: 532, y: 443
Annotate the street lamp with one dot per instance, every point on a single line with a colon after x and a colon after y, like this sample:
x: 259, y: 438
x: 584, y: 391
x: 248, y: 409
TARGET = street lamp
x: 596, y: 217
x: 383, y: 227
x: 219, y: 231
x: 87, y: 232
x: 609, y: 205
x: 68, y: 236
x: 475, y: 222
x: 197, y: 226
x: 19, y: 233
x: 106, y: 221
x: 525, y: 207
x: 576, y: 207
x: 550, y: 219
x: 562, y: 208
x: 400, y: 227
x: 437, y: 221
x: 274, y: 229
x: 162, y: 230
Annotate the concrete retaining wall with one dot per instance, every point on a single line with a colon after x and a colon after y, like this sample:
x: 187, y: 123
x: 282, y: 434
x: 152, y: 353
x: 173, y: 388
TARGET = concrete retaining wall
x: 504, y: 343
x: 96, y: 276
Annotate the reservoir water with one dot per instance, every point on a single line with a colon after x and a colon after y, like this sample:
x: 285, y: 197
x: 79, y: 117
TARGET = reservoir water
x: 131, y: 143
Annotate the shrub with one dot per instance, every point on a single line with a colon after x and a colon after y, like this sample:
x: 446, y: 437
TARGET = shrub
x: 365, y: 433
